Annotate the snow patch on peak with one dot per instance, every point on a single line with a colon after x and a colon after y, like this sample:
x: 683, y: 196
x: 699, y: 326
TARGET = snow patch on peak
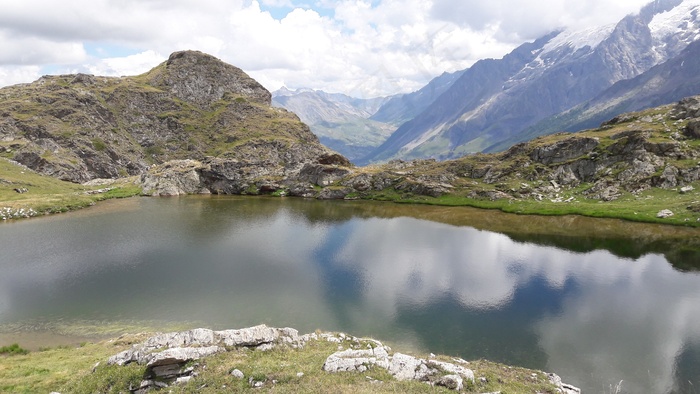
x: 679, y: 20
x: 284, y: 91
x: 577, y: 39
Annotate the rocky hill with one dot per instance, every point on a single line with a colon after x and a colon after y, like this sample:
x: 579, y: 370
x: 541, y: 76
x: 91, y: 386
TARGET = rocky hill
x: 193, y: 106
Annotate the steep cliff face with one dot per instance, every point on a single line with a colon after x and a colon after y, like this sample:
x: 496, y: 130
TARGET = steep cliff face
x: 193, y: 106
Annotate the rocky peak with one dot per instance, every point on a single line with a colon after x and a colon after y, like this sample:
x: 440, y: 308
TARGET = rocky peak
x: 202, y: 79
x: 650, y: 10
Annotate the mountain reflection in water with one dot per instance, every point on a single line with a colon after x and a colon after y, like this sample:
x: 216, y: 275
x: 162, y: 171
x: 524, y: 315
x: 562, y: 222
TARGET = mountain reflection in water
x: 593, y: 300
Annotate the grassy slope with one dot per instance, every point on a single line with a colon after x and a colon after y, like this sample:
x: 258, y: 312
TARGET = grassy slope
x: 49, y: 195
x: 69, y: 370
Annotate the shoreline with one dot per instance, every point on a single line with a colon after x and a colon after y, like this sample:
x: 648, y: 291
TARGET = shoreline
x: 527, y: 208
x: 264, y: 357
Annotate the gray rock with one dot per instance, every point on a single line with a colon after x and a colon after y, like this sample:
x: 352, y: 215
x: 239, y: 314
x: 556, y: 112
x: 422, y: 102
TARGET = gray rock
x: 465, y: 373
x: 169, y: 371
x: 333, y: 194
x: 565, y: 150
x: 401, y: 366
x: 181, y: 355
x: 666, y: 213
x: 305, y: 190
x: 362, y: 182
x: 128, y: 356
x: 687, y: 189
x: 669, y: 178
x: 322, y: 175
x: 195, y: 337
x: 174, y: 178
x: 350, y: 360
x: 687, y: 108
x: 452, y: 382
x: 692, y: 130
x: 256, y: 336
x: 565, y: 388
x: 405, y: 367
x: 237, y: 373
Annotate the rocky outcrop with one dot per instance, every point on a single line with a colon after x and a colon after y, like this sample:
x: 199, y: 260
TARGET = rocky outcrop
x: 564, y: 150
x: 174, y: 178
x: 400, y: 366
x: 202, y: 79
x: 689, y: 109
x: 168, y: 357
x: 208, y: 341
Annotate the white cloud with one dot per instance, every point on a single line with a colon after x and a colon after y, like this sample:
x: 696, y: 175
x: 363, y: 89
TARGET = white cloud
x: 11, y: 75
x: 128, y: 65
x: 364, y: 48
x: 518, y: 20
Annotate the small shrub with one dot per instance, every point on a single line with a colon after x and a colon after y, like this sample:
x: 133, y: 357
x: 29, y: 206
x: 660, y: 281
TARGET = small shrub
x: 13, y: 349
x: 98, y: 144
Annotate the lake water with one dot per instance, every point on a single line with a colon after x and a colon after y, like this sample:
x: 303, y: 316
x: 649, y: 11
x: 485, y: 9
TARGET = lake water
x: 596, y: 301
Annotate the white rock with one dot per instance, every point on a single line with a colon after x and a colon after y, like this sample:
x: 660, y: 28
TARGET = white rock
x: 466, y: 373
x: 253, y: 336
x: 196, y: 337
x: 181, y: 355
x: 404, y: 367
x: 237, y: 373
x: 666, y: 213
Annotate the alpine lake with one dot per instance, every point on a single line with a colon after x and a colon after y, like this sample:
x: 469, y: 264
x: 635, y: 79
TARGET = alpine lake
x: 596, y: 301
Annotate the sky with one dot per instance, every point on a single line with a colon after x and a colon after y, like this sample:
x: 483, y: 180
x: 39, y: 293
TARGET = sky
x: 363, y: 48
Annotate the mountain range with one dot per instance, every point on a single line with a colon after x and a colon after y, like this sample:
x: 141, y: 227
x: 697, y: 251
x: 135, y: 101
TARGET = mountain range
x: 341, y: 122
x: 566, y: 80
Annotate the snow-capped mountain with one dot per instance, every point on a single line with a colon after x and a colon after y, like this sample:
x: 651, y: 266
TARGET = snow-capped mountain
x: 495, y: 100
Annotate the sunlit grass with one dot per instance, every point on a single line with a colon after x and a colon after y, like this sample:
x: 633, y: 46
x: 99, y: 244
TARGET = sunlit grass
x: 50, y: 195
x: 75, y: 369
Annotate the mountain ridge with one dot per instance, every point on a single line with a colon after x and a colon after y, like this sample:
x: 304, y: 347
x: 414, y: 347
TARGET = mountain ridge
x: 564, y: 69
x: 341, y: 122
x: 664, y: 83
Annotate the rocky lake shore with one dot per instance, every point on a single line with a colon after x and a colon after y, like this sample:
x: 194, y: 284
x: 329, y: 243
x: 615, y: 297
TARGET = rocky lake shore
x: 273, y: 359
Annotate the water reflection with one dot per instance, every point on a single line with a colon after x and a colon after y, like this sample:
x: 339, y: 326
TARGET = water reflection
x: 571, y: 304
